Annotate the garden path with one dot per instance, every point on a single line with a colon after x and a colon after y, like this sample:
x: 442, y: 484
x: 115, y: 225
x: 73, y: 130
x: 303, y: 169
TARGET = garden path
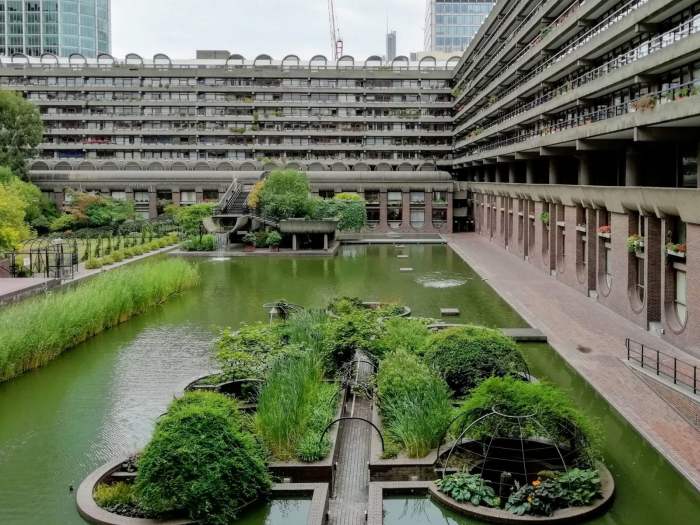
x: 351, y: 496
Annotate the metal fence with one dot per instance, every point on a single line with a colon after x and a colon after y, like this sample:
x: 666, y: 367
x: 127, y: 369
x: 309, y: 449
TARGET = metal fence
x: 670, y: 367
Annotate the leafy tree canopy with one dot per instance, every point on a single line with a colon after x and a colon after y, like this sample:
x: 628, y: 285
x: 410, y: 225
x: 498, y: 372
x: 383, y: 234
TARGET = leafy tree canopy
x: 190, y: 218
x: 21, y: 131
x: 89, y: 210
x: 284, y: 195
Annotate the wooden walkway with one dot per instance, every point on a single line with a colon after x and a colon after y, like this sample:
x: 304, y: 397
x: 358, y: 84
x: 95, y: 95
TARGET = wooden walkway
x: 349, y: 502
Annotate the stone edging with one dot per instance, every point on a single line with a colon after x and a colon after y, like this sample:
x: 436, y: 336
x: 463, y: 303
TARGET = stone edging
x: 93, y: 513
x: 375, y: 509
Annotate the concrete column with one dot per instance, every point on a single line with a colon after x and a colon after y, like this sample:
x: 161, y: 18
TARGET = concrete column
x: 512, y: 172
x: 530, y: 172
x: 450, y: 219
x: 294, y: 241
x: 633, y: 176
x: 428, y: 224
x: 584, y: 170
x: 405, y: 210
x: 325, y: 241
x: 592, y: 249
x: 152, y: 204
x: 554, y: 171
x: 383, y: 216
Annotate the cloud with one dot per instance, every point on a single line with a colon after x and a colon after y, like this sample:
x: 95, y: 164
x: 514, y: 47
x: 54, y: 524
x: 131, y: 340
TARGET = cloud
x: 252, y: 27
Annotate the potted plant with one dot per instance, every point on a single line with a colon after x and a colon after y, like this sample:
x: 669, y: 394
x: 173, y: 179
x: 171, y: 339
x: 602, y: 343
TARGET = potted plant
x: 273, y: 240
x: 645, y: 103
x: 544, y: 218
x: 249, y: 242
x: 635, y: 244
x: 677, y: 250
x: 604, y: 231
x: 682, y: 93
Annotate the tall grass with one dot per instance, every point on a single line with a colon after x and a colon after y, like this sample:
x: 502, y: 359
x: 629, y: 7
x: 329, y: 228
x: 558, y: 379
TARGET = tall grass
x: 415, y: 403
x: 34, y: 332
x: 294, y: 407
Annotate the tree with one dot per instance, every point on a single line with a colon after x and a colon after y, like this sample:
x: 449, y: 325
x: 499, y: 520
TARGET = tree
x: 285, y: 194
x: 190, y: 218
x: 13, y: 229
x: 21, y: 131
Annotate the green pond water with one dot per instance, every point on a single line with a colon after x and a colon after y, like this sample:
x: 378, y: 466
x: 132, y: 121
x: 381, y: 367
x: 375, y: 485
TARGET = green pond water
x: 287, y: 511
x: 100, y: 400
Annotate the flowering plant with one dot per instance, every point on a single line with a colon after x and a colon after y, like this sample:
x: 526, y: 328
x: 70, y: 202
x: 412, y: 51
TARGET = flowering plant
x: 678, y: 248
x: 604, y: 228
x: 635, y: 243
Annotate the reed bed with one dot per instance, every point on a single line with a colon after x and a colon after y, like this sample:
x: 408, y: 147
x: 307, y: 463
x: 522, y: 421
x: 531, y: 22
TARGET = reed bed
x: 34, y: 332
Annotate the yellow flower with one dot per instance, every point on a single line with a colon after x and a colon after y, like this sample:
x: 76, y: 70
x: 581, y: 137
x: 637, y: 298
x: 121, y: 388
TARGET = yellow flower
x: 536, y: 483
x: 529, y: 499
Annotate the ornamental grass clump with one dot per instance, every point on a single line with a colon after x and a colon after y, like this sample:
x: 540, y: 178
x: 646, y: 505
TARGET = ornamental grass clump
x: 414, y: 402
x: 201, y: 462
x: 294, y: 407
x: 403, y: 333
x: 37, y: 330
x: 465, y: 356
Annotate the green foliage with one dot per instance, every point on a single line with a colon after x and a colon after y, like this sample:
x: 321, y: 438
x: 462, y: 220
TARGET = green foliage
x: 294, y: 406
x: 285, y: 194
x: 581, y: 486
x: 351, y: 332
x: 465, y: 356
x: 554, y: 415
x: 402, y: 333
x: 414, y: 401
x: 309, y: 329
x: 116, y: 497
x: 21, y: 131
x: 98, y: 258
x: 250, y: 239
x: 204, y: 243
x: 247, y: 352
x: 92, y: 211
x: 468, y: 488
x: 37, y: 330
x: 274, y: 238
x: 13, y: 209
x: 345, y: 305
x: 201, y: 462
x: 190, y: 218
x: 63, y: 222
x: 349, y: 209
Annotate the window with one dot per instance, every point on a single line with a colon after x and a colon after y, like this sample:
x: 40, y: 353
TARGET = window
x: 640, y: 278
x: 417, y: 198
x: 417, y: 218
x: 188, y: 197
x: 119, y: 195
x: 141, y: 197
x: 439, y: 217
x: 681, y: 297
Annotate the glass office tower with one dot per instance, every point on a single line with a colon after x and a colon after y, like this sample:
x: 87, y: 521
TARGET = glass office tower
x: 61, y: 27
x: 450, y: 25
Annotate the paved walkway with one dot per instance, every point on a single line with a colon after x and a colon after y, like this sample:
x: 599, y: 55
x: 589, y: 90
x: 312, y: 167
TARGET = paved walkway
x: 351, y: 497
x: 569, y: 319
x: 12, y: 289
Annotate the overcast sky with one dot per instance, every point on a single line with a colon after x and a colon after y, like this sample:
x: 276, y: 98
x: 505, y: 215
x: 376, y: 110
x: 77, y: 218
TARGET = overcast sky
x: 253, y: 27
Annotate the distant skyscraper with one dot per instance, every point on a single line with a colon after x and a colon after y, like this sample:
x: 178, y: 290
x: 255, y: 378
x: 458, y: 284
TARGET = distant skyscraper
x: 61, y: 27
x: 451, y: 24
x: 391, y: 45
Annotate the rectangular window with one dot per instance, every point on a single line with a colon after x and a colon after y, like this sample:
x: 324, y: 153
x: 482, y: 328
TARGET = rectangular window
x: 681, y: 299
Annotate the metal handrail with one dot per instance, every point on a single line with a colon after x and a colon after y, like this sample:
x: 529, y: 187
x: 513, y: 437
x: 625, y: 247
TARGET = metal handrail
x: 232, y: 192
x: 681, y: 372
x: 648, y: 47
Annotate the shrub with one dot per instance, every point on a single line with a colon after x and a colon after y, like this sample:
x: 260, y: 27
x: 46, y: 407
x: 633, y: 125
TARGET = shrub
x: 201, y: 462
x: 274, y: 238
x: 37, y: 330
x: 349, y: 333
x: 465, y: 356
x: 93, y: 263
x: 204, y: 243
x: 414, y: 401
x: 581, y: 486
x: 117, y: 497
x: 285, y: 194
x: 294, y: 407
x: 246, y: 353
x: 468, y: 488
x: 402, y: 333
x: 345, y: 305
x: 117, y: 256
x: 351, y: 213
x: 554, y: 416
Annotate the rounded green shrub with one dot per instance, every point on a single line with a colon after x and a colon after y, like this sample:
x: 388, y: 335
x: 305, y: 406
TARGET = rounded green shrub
x: 465, y: 356
x: 93, y: 263
x: 349, y: 333
x: 247, y: 352
x: 402, y: 333
x: 201, y: 462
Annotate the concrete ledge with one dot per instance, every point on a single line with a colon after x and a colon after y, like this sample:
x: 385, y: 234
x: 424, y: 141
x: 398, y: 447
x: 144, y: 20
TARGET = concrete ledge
x: 93, y: 513
x: 15, y: 289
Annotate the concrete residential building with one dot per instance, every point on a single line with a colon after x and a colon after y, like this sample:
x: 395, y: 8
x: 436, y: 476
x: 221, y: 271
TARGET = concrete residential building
x: 565, y: 130
x: 391, y: 45
x: 450, y: 25
x: 58, y: 27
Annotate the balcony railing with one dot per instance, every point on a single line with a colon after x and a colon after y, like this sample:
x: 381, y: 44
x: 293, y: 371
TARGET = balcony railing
x: 614, y: 110
x: 583, y: 39
x: 648, y: 47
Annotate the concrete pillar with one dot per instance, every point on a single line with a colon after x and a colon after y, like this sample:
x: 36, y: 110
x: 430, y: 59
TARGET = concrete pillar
x: 633, y: 176
x: 294, y: 241
x: 152, y: 204
x: 530, y: 172
x: 554, y: 171
x: 584, y: 170
x: 383, y: 215
x: 450, y: 219
x: 405, y: 210
x: 428, y: 224
x: 325, y: 241
x: 512, y: 172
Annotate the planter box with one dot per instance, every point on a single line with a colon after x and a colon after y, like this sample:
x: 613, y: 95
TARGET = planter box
x: 308, y: 226
x: 581, y: 228
x: 672, y: 253
x: 604, y: 235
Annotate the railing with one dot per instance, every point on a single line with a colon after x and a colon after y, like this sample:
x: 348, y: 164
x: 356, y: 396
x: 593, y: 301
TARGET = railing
x: 569, y: 48
x: 648, y: 47
x: 231, y: 193
x: 589, y: 117
x: 680, y: 372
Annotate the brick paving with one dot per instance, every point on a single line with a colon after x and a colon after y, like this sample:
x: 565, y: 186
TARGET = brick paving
x: 571, y: 320
x: 349, y: 503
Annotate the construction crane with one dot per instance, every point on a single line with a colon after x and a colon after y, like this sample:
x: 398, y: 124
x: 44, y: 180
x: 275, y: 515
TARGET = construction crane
x: 336, y: 40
